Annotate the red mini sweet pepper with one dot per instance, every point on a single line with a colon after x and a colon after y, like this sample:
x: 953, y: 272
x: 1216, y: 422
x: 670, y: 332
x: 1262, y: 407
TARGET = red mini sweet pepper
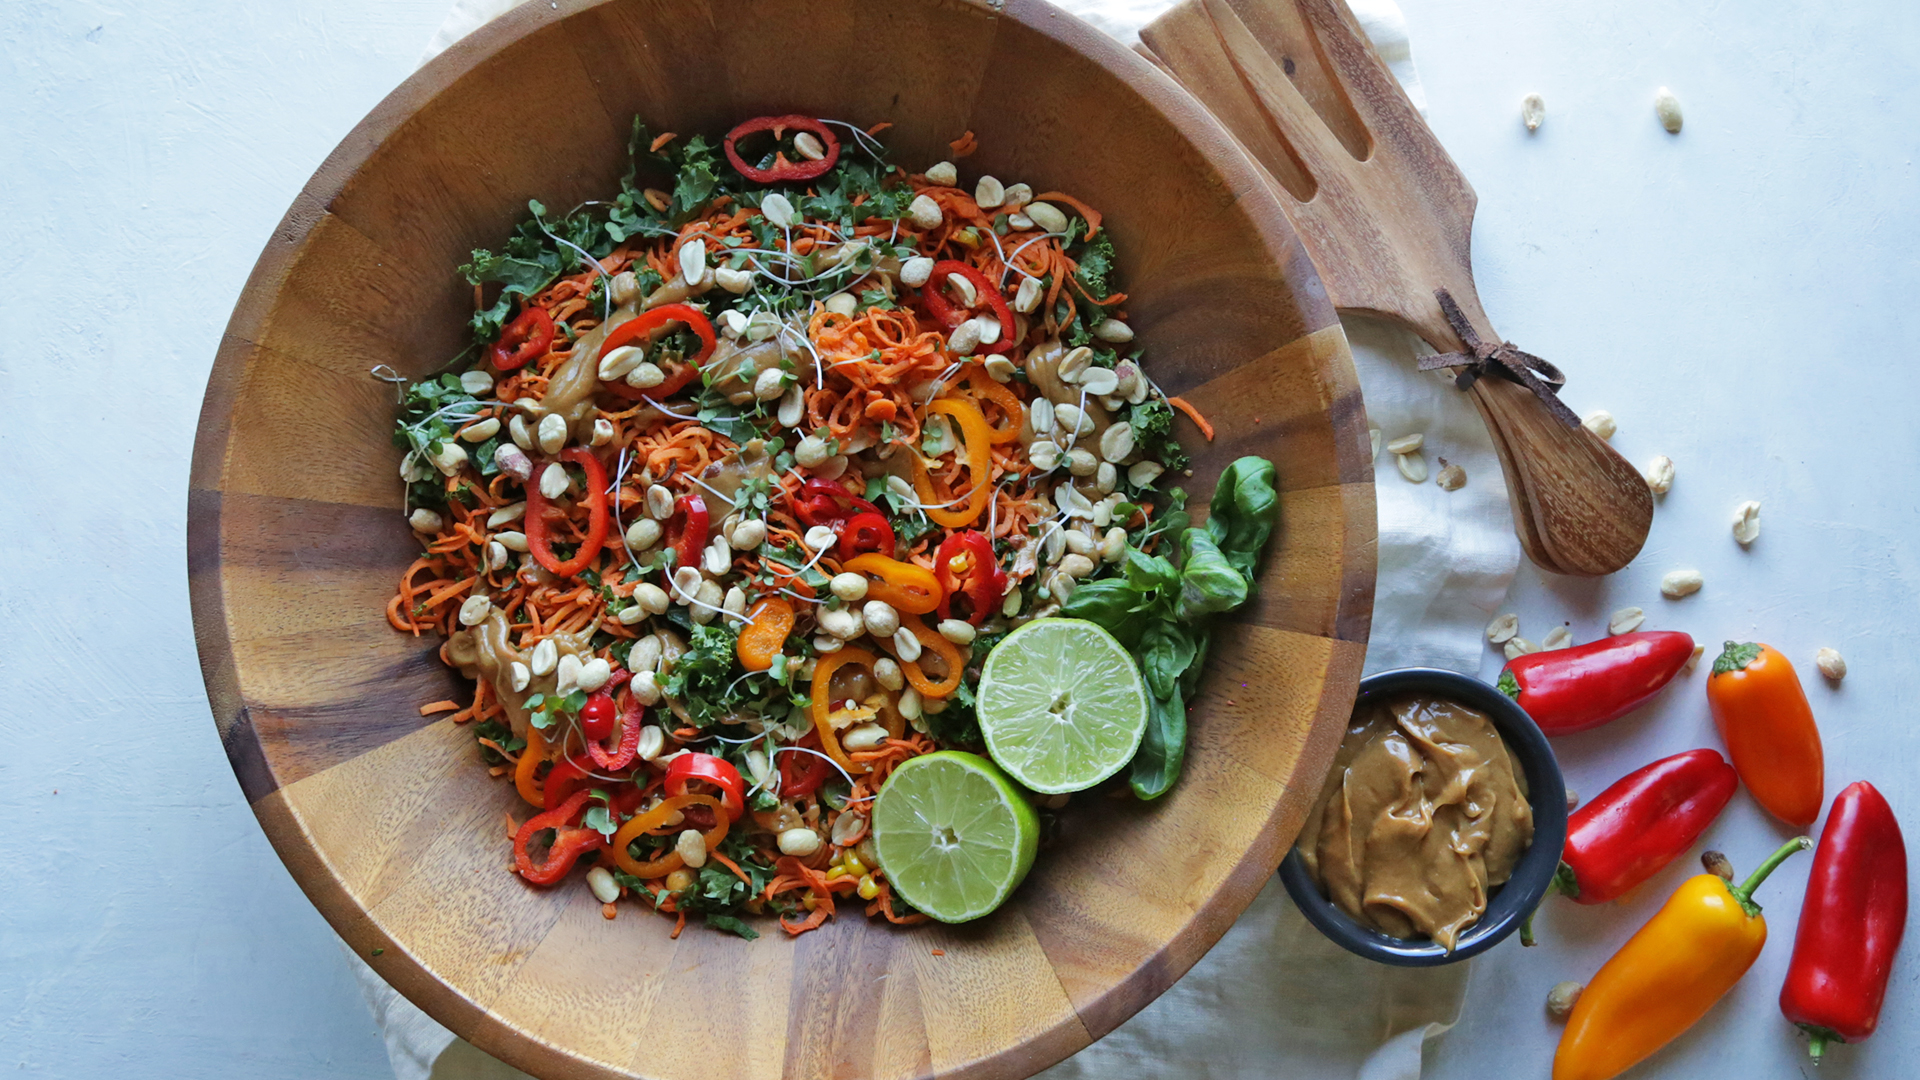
x: 1569, y: 690
x: 780, y: 170
x: 1851, y: 922
x: 1643, y: 822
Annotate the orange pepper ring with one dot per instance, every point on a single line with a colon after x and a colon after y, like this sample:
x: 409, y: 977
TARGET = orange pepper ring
x: 912, y: 590
x: 768, y: 624
x: 823, y: 670
x: 530, y: 759
x: 949, y: 652
x: 671, y: 861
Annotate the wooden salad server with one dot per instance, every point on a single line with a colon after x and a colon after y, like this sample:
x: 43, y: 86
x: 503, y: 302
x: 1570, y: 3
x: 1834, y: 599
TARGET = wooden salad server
x: 1387, y: 218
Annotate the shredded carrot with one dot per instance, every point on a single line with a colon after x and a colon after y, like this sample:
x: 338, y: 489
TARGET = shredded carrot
x: 1194, y: 415
x: 447, y: 705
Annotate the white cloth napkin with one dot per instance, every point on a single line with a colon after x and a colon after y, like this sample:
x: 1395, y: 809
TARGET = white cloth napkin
x: 1274, y: 997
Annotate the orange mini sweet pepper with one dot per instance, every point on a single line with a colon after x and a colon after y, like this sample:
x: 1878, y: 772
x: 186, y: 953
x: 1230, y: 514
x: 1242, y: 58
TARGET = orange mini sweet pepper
x: 1764, y: 718
x: 1668, y: 975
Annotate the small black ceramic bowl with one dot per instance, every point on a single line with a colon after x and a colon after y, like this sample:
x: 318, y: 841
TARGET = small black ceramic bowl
x: 1511, y: 902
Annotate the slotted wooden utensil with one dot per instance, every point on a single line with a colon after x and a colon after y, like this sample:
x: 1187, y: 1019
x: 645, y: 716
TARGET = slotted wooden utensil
x: 1388, y: 220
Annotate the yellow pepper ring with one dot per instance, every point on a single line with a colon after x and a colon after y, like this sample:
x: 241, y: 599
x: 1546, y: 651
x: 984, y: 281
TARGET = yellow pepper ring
x: 978, y: 439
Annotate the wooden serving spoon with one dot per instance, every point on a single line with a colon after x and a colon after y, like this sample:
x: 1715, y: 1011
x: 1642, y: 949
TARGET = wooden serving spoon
x: 1388, y: 220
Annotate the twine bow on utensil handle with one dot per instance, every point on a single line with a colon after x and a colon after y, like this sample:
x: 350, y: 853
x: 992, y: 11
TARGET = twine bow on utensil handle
x: 1498, y: 358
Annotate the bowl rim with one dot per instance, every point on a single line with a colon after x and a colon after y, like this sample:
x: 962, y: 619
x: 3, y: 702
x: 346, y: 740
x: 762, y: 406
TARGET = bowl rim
x: 1512, y: 902
x: 1093, y: 1015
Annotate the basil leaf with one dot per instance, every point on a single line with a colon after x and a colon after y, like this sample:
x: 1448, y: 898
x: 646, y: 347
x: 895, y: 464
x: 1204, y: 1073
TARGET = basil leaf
x: 1166, y: 651
x: 1164, y: 749
x: 1241, y: 517
x: 1111, y: 603
x: 1209, y: 583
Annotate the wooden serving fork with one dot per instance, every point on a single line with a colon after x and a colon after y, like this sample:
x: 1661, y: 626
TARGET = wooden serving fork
x: 1388, y: 220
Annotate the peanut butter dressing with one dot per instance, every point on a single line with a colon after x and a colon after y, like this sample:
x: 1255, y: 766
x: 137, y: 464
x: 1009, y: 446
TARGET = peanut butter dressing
x: 487, y: 651
x: 1422, y: 814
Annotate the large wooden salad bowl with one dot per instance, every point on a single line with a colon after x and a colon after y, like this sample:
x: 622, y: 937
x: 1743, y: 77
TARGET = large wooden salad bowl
x: 296, y: 540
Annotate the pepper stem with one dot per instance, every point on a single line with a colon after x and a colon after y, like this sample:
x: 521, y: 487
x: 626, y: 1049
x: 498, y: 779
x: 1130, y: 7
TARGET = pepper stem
x: 1743, y: 892
x: 1816, y: 1045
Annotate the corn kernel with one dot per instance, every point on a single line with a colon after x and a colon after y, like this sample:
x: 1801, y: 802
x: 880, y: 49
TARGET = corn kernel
x: 869, y: 888
x: 809, y: 902
x: 836, y: 873
x: 853, y: 864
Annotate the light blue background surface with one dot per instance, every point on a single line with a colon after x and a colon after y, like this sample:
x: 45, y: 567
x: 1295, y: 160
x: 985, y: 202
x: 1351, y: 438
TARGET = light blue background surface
x: 1740, y: 297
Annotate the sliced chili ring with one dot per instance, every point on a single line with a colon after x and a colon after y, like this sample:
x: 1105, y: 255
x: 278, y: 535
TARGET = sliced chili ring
x: 782, y: 170
x: 640, y: 328
x: 527, y: 337
x: 950, y: 314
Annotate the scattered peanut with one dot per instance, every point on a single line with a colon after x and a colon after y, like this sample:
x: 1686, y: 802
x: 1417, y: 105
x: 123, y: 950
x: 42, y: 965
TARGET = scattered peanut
x: 1502, y: 628
x: 1412, y: 466
x: 1533, y: 111
x: 1452, y: 477
x: 1679, y: 583
x: 1407, y: 444
x: 1831, y: 664
x: 1601, y: 423
x: 1626, y: 620
x: 1746, y: 522
x: 1694, y: 660
x: 1519, y: 646
x: 1667, y: 108
x: 1659, y: 474
x: 1562, y: 998
x: 1557, y: 638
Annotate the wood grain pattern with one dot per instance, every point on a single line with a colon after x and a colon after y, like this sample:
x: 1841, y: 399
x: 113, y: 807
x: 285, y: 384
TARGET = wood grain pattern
x: 1388, y: 219
x: 295, y: 540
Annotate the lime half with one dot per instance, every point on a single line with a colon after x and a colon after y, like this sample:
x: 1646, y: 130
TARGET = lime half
x: 953, y: 834
x: 1061, y: 704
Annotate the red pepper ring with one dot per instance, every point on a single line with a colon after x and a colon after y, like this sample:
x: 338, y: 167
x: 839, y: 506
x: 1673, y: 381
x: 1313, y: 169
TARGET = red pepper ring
x: 539, y: 543
x: 802, y: 774
x: 569, y: 841
x: 687, y: 531
x: 983, y: 581
x: 864, y: 532
x: 952, y: 315
x: 782, y: 169
x: 627, y: 749
x: 719, y: 772
x: 527, y: 337
x: 640, y: 329
x: 823, y: 502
